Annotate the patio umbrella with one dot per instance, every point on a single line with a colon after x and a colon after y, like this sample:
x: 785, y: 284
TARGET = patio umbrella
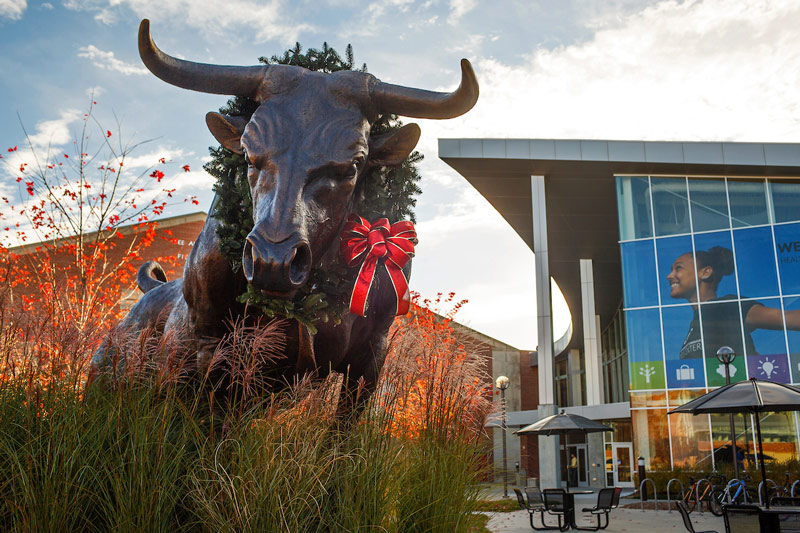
x: 751, y: 396
x: 563, y: 424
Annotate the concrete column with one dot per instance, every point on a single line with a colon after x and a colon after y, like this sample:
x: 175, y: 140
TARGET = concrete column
x: 597, y: 460
x: 575, y: 381
x: 549, y: 457
x: 591, y: 337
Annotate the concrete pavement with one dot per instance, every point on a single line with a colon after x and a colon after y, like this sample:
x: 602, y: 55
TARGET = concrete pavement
x: 622, y: 520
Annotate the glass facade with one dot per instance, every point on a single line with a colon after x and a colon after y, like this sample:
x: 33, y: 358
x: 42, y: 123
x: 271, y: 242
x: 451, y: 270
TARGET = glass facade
x: 707, y: 262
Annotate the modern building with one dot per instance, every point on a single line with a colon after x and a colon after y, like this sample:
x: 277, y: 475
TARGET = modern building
x: 664, y: 252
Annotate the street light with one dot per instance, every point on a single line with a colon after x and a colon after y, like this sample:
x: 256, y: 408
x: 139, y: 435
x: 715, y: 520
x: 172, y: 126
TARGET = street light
x: 502, y: 383
x: 726, y: 355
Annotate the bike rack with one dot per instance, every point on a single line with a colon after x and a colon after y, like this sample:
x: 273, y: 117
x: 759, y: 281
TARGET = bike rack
x: 697, y: 493
x: 729, y: 489
x: 655, y: 492
x: 669, y: 500
x: 774, y: 486
x: 793, y: 484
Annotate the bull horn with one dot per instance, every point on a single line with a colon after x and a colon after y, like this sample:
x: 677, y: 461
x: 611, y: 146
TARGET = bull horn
x: 418, y: 103
x: 202, y: 77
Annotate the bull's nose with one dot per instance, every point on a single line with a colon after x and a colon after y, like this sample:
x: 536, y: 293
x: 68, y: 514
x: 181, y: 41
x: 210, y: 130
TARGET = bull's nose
x: 276, y: 267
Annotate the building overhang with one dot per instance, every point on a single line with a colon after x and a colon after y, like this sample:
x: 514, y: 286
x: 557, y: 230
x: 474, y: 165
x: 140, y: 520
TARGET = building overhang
x: 581, y: 194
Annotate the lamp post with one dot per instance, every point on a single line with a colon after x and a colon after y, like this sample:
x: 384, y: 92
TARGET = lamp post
x: 502, y: 383
x: 726, y: 355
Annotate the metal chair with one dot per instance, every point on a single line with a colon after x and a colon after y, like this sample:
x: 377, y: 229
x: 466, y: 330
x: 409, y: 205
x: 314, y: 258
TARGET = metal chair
x: 687, y: 522
x: 555, y: 503
x: 784, y: 501
x: 535, y: 504
x: 741, y: 518
x: 605, y: 498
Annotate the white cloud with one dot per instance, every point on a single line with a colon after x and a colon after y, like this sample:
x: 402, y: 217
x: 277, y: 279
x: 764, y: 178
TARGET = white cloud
x: 13, y: 9
x: 459, y: 8
x: 94, y: 92
x: 107, y: 60
x: 718, y: 69
x: 712, y: 70
x: 265, y: 17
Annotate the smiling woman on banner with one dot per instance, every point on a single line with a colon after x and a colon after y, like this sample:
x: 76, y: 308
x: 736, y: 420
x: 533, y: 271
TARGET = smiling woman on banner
x: 696, y: 280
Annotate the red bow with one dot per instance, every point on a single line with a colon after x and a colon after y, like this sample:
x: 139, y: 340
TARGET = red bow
x: 369, y: 244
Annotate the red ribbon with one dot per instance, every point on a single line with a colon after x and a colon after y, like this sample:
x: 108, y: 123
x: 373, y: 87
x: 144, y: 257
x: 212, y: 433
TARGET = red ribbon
x: 371, y: 244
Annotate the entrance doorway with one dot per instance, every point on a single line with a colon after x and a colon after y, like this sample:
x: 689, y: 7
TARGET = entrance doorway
x: 621, y: 467
x: 582, y: 454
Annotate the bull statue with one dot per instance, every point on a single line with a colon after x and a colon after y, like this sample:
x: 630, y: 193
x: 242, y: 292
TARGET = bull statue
x: 307, y: 145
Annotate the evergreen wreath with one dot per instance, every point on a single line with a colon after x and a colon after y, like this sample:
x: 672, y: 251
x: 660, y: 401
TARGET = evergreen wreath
x: 381, y: 192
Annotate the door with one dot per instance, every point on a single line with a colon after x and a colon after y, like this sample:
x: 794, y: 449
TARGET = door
x: 583, y: 465
x: 622, y: 461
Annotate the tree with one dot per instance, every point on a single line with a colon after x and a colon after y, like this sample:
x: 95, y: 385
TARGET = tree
x: 69, y: 237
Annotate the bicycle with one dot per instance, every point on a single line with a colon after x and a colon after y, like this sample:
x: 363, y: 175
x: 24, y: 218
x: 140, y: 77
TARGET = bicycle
x: 695, y: 495
x: 736, y: 492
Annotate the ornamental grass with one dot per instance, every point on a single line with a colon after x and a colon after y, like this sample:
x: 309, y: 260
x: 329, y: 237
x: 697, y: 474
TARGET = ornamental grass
x: 153, y: 450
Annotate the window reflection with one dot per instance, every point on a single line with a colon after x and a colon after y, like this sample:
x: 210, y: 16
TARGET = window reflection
x: 640, y: 283
x: 709, y: 204
x: 691, y: 441
x: 787, y: 247
x: 785, y: 199
x: 755, y: 262
x: 676, y: 273
x: 651, y: 436
x: 670, y: 206
x: 644, y: 349
x: 748, y: 202
x: 633, y: 206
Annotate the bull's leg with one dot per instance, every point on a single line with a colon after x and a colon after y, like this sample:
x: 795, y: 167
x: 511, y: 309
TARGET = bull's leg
x: 210, y: 288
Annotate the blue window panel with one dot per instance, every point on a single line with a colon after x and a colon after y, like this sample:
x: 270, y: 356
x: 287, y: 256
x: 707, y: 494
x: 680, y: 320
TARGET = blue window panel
x: 639, y: 280
x: 633, y: 208
x: 644, y: 335
x: 722, y: 326
x: 766, y: 348
x: 715, y: 250
x: 683, y: 350
x: 787, y: 246
x: 785, y: 199
x: 675, y: 253
x: 709, y: 202
x: 748, y: 202
x: 755, y: 262
x: 670, y: 206
x: 792, y: 307
x: 771, y: 340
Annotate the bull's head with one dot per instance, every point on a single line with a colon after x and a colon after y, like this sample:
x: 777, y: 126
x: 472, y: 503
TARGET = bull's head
x: 306, y: 146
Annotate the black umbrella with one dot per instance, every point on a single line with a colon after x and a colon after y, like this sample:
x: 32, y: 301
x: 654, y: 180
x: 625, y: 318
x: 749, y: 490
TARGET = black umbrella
x: 752, y: 396
x: 563, y: 424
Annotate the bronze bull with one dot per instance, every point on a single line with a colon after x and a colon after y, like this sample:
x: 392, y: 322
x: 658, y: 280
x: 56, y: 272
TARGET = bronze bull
x: 306, y: 145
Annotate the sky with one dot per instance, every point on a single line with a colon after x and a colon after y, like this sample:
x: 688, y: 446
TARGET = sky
x: 693, y: 70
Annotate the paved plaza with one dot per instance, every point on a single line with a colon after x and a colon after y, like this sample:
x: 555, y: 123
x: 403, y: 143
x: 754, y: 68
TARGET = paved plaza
x: 627, y: 520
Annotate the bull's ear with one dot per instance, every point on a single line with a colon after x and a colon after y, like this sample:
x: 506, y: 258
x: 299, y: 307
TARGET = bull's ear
x: 391, y: 148
x: 227, y: 130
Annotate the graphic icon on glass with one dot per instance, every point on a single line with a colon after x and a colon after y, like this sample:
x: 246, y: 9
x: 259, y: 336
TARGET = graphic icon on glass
x: 647, y: 371
x: 767, y: 366
x: 721, y: 370
x: 684, y: 373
